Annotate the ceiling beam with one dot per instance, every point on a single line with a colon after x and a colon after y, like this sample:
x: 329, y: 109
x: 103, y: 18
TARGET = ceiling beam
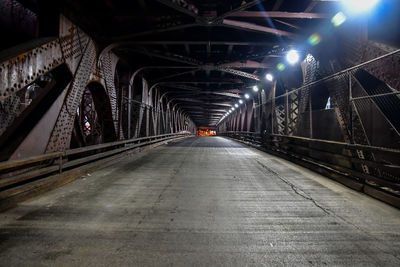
x: 279, y: 14
x: 241, y: 8
x: 168, y: 56
x: 187, y: 42
x: 254, y: 27
x: 239, y: 73
x: 248, y: 64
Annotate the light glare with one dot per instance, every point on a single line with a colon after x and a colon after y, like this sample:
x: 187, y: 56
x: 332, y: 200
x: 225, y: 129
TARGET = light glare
x: 247, y: 96
x: 292, y: 57
x: 269, y: 77
x: 240, y: 101
x: 359, y: 6
x: 236, y: 105
x: 255, y: 88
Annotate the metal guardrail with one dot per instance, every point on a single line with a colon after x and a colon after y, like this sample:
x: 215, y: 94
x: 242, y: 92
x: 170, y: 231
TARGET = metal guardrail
x: 336, y: 160
x: 31, y: 176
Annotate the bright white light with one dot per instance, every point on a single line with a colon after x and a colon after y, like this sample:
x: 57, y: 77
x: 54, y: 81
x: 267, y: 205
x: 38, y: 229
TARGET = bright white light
x: 232, y: 108
x: 292, y: 57
x: 269, y: 77
x: 236, y: 105
x: 230, y: 111
x: 255, y: 88
x: 359, y: 6
x: 240, y: 101
x: 247, y: 96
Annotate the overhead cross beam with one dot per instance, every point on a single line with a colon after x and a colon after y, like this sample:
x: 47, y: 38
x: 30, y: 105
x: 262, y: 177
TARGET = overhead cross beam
x: 279, y: 14
x: 254, y: 27
x: 248, y: 64
x: 169, y: 56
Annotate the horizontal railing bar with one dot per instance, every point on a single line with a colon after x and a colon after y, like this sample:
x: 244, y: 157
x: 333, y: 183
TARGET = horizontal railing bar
x: 345, y: 145
x: 111, y: 152
x: 55, y: 155
x: 373, y: 96
x: 111, y: 144
x: 35, y: 159
x: 30, y: 174
x: 26, y: 176
x: 338, y: 166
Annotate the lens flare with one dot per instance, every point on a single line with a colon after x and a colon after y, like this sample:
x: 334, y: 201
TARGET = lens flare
x: 338, y: 19
x: 314, y: 39
x: 281, y: 67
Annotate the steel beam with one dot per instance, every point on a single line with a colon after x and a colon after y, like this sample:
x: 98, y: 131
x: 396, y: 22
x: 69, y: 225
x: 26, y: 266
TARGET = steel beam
x: 279, y: 14
x: 248, y: 64
x: 254, y: 27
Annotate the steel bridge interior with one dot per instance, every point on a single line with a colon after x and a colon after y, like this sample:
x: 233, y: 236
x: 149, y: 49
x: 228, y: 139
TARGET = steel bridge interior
x: 100, y: 103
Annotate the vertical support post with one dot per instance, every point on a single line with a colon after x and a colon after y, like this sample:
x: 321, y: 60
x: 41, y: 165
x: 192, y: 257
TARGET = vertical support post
x: 60, y: 164
x: 147, y: 108
x: 310, y: 114
x: 121, y: 106
x: 129, y: 110
x: 350, y: 107
x: 287, y: 113
x: 273, y: 106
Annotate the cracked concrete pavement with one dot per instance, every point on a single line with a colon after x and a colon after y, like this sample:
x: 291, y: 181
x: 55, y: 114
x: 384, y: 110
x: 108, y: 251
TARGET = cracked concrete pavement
x: 202, y: 202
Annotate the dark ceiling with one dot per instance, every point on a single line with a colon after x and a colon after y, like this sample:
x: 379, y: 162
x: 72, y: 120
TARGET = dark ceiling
x: 212, y: 51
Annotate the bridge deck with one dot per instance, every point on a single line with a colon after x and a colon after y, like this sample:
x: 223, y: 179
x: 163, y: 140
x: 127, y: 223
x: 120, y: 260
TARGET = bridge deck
x: 201, y: 201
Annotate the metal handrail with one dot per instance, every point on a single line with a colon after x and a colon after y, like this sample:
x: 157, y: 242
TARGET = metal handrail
x: 118, y: 147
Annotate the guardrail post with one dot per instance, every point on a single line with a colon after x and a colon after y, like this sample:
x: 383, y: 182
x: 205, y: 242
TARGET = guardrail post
x: 287, y: 113
x: 310, y: 113
x: 60, y: 163
x: 350, y: 107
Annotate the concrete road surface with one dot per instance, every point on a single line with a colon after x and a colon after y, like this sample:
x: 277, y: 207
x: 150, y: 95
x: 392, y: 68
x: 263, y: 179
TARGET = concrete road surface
x: 201, y: 202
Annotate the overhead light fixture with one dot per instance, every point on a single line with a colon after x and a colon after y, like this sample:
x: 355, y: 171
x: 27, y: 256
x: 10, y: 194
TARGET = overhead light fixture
x: 233, y: 108
x: 293, y: 57
x: 269, y: 77
x: 255, y: 88
x: 247, y: 96
x: 359, y: 6
x: 236, y: 105
x: 240, y: 101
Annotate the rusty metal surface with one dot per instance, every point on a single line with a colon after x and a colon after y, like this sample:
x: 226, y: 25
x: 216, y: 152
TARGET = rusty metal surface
x: 62, y: 131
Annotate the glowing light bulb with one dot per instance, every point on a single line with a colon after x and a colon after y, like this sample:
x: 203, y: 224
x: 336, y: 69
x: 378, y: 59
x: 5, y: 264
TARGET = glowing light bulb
x: 247, y: 96
x: 292, y: 57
